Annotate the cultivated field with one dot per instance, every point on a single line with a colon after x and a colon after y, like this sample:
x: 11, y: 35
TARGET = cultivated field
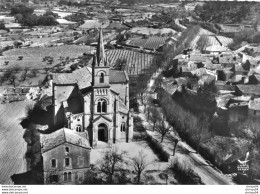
x: 211, y: 39
x: 152, y: 42
x: 33, y: 57
x: 152, y: 31
x: 136, y: 62
x: 12, y: 144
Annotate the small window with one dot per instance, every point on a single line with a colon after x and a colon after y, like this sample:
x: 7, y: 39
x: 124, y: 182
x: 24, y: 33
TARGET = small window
x: 53, y: 163
x: 254, y: 112
x: 67, y: 161
x: 67, y: 149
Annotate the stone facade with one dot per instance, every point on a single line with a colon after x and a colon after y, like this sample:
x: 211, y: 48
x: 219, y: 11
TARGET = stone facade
x: 94, y: 100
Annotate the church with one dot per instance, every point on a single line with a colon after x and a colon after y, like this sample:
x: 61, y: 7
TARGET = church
x: 93, y: 101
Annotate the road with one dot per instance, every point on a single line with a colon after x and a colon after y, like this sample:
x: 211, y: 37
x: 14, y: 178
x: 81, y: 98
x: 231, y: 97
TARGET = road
x: 209, y: 174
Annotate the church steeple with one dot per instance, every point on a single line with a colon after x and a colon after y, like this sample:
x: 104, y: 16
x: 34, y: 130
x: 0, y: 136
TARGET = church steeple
x: 100, y: 66
x: 100, y: 54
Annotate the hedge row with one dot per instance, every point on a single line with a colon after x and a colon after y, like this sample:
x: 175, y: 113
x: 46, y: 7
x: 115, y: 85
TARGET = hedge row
x: 157, y: 148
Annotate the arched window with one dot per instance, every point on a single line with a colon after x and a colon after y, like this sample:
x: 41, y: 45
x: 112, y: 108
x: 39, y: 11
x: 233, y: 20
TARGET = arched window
x: 78, y: 128
x: 101, y: 78
x: 65, y: 176
x: 69, y: 176
x: 122, y: 127
x: 101, y: 106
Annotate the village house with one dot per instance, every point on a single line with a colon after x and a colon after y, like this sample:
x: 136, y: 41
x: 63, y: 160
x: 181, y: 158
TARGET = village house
x: 66, y: 157
x: 95, y: 100
x: 254, y: 108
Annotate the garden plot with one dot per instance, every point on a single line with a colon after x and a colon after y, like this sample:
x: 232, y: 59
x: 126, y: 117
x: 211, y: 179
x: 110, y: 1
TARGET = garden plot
x: 136, y: 61
x: 33, y: 57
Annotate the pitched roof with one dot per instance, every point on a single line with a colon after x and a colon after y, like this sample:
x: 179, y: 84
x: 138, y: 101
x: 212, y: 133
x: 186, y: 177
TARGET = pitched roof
x: 82, y: 77
x: 122, y: 106
x: 116, y: 76
x: 64, y: 135
x: 249, y: 89
x: 100, y: 55
x: 63, y: 93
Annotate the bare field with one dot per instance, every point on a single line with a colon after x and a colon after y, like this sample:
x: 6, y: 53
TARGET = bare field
x: 12, y: 144
x: 33, y: 57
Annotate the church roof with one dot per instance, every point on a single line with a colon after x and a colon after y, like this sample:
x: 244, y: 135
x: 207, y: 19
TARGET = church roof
x: 64, y: 135
x: 116, y: 76
x: 82, y: 77
x: 122, y: 107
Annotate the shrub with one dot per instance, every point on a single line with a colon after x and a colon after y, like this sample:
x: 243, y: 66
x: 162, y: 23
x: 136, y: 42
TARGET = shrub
x: 184, y: 174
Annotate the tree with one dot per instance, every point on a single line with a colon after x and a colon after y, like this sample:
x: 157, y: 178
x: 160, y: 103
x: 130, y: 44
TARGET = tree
x: 21, y: 9
x: 202, y: 43
x: 141, y: 86
x: 2, y: 25
x: 163, y: 127
x: 200, y: 132
x: 46, y: 69
x: 34, y: 72
x: 12, y: 78
x: 174, y: 140
x: 111, y: 162
x: 254, y: 133
x: 139, y: 164
x: 154, y: 116
x: 50, y: 13
x: 120, y: 64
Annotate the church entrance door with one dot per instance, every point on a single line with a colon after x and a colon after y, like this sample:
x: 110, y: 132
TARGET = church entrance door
x: 102, y: 133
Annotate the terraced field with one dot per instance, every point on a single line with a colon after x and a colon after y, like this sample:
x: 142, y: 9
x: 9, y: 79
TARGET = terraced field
x: 32, y: 57
x: 136, y: 61
x: 12, y: 144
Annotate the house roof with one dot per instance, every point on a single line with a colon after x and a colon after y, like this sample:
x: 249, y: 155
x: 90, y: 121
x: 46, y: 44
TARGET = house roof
x: 63, y: 93
x: 254, y: 104
x: 61, y: 136
x: 213, y: 66
x: 197, y: 57
x: 216, y: 48
x: 257, y: 77
x: 249, y: 89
